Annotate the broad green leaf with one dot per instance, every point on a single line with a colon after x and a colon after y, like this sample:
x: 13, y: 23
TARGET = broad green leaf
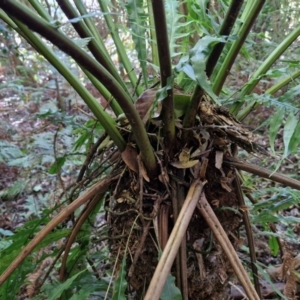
x: 267, y: 100
x: 289, y: 129
x: 198, y: 57
x: 163, y: 92
x: 85, y: 135
x: 9, y: 150
x: 21, y: 238
x: 121, y: 283
x: 185, y: 67
x: 57, y: 165
x: 267, y: 278
x: 194, y: 65
x: 276, y: 204
x: 277, y: 72
x: 170, y: 290
x: 64, y: 286
x: 275, y: 123
x: 181, y: 102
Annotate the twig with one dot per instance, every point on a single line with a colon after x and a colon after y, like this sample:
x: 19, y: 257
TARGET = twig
x: 58, y: 171
x: 165, y: 263
x: 141, y: 184
x: 52, y: 266
x: 140, y: 248
x: 79, y: 222
x: 89, y: 157
x: 137, y: 84
x: 219, y: 233
x: 240, y: 197
x: 262, y: 172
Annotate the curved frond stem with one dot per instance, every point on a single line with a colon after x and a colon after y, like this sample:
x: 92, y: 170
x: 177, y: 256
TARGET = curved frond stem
x: 252, y: 14
x: 220, y: 235
x: 262, y: 70
x: 40, y: 10
x: 279, y: 85
x: 22, y: 13
x: 271, y: 91
x: 75, y: 231
x: 105, y: 119
x: 167, y: 113
x: 90, y: 24
x: 226, y: 27
x: 100, y: 87
x: 262, y: 172
x: 97, y: 48
x: 105, y: 93
x: 120, y: 47
x: 237, y: 183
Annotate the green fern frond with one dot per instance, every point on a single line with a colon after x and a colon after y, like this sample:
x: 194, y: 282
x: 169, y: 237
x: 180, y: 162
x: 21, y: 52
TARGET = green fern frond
x: 269, y: 100
x: 176, y: 27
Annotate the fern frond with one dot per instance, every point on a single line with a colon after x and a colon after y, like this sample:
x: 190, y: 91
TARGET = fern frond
x: 269, y: 100
x: 176, y: 27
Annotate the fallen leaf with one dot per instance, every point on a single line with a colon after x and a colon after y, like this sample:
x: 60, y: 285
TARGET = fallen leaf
x: 143, y: 170
x: 184, y: 165
x: 144, y: 103
x: 129, y: 156
x: 184, y: 155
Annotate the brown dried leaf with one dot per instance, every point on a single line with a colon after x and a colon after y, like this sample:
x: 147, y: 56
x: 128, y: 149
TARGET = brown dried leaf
x: 198, y: 244
x: 121, y: 200
x: 164, y: 177
x: 144, y: 102
x: 129, y: 156
x: 184, y: 155
x: 143, y: 171
x: 203, y: 168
